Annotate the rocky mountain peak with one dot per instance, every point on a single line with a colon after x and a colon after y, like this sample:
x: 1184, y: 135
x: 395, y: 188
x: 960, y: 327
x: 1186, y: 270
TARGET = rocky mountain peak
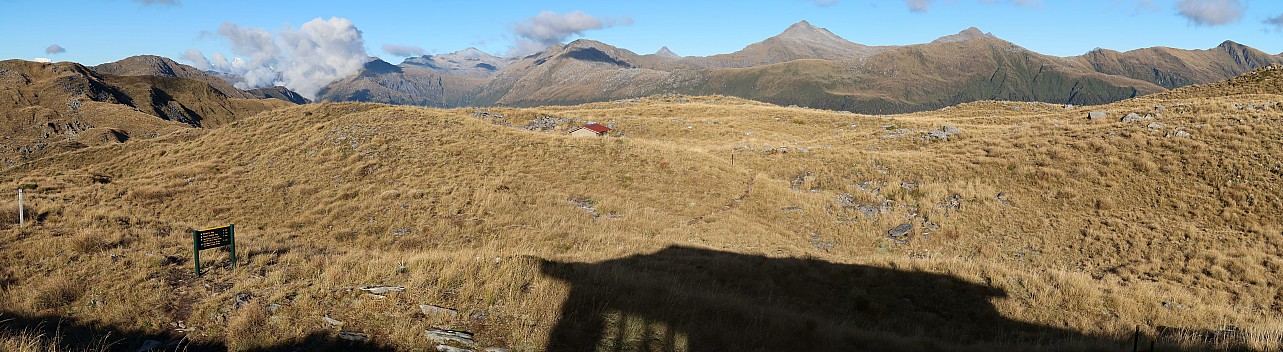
x: 804, y: 31
x: 472, y: 54
x: 664, y: 52
x: 972, y: 33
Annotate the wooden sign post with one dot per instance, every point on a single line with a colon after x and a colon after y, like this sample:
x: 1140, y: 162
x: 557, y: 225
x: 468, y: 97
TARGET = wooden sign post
x: 213, y: 238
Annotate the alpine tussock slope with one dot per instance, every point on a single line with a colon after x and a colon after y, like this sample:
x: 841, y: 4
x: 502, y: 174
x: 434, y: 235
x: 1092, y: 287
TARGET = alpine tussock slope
x: 699, y: 223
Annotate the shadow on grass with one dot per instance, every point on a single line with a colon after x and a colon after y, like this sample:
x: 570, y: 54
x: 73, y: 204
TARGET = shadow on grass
x: 688, y: 299
x: 72, y: 335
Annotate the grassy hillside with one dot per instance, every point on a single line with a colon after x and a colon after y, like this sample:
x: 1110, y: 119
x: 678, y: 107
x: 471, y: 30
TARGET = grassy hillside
x: 48, y: 108
x: 700, y: 223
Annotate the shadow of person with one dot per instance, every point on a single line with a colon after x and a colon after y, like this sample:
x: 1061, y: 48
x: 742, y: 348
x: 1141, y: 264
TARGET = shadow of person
x: 691, y: 299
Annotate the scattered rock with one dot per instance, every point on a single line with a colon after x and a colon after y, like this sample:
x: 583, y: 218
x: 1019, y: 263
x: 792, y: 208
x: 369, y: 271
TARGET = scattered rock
x: 1242, y: 106
x: 443, y: 336
x: 908, y: 185
x: 1182, y: 134
x: 448, y: 348
x: 484, y: 113
x: 790, y: 209
x: 1173, y: 305
x: 900, y: 234
x: 378, y: 290
x: 437, y: 311
x: 819, y: 244
x: 582, y: 202
x: 587, y: 204
x: 1133, y: 117
x: 545, y: 123
x: 331, y: 321
x: 240, y: 300
x: 869, y: 211
x: 1002, y: 197
x: 954, y: 202
x: 870, y: 186
x: 937, y: 135
x: 354, y: 336
x: 479, y: 316
x: 496, y: 349
x: 1097, y: 115
x: 846, y: 200
x: 928, y: 226
x: 1155, y: 125
x: 374, y: 296
x: 800, y: 180
x: 272, y: 308
x: 401, y: 231
x: 1160, y: 107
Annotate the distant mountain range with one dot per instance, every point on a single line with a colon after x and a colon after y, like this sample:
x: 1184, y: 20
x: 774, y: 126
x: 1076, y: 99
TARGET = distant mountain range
x: 151, y: 65
x: 804, y: 65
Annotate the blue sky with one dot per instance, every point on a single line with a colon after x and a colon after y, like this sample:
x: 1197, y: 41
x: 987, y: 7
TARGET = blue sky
x: 97, y: 31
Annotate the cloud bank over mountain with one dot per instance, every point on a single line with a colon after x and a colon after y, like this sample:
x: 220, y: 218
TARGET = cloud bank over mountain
x: 548, y: 28
x: 303, y: 59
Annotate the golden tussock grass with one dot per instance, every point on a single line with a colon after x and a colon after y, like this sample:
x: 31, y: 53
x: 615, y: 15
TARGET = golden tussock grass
x: 1031, y: 230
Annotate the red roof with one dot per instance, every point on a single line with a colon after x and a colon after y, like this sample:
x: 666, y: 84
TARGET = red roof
x: 597, y: 128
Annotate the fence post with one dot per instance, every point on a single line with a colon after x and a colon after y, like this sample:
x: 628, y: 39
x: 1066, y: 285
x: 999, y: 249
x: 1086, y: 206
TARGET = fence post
x: 22, y: 218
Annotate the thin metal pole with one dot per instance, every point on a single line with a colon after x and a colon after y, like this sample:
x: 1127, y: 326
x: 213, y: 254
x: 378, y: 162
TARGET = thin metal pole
x: 22, y: 218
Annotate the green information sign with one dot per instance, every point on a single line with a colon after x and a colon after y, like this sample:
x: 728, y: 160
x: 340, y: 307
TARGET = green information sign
x: 213, y: 238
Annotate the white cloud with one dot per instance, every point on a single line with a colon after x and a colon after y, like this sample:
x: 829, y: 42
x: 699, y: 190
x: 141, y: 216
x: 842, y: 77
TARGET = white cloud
x: 42, y: 60
x: 403, y: 50
x: 918, y: 5
x: 197, y: 59
x: 824, y: 3
x: 322, y: 51
x: 257, y: 43
x: 548, y: 28
x: 303, y: 59
x: 1211, y: 12
x: 1276, y: 21
x: 55, y: 49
